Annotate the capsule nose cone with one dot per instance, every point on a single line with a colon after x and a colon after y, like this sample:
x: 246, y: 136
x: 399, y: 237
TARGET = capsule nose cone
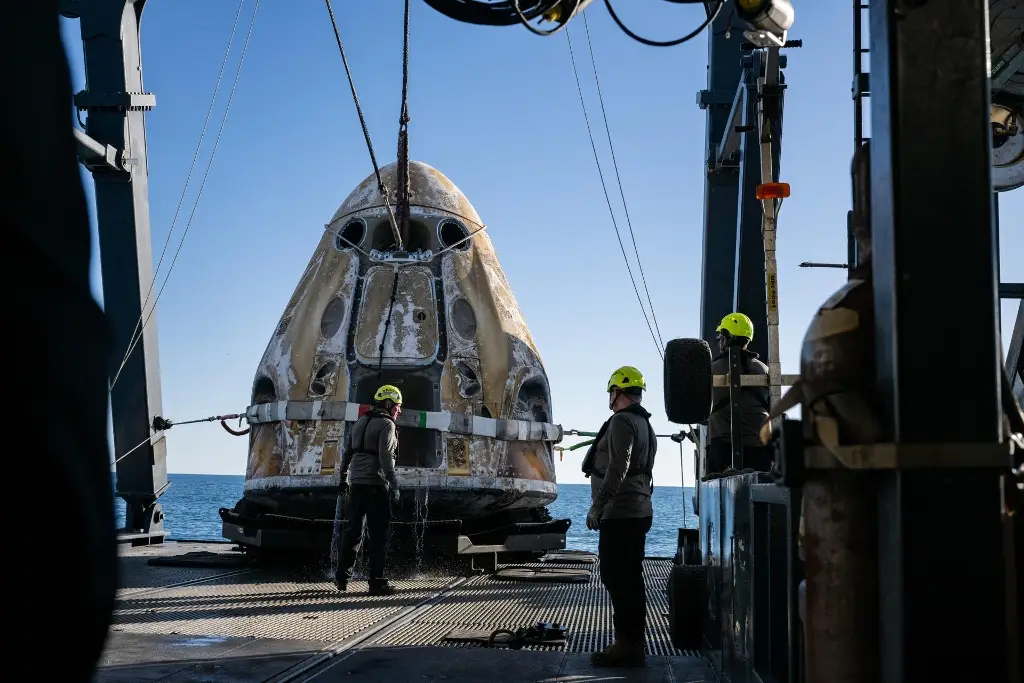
x: 428, y: 188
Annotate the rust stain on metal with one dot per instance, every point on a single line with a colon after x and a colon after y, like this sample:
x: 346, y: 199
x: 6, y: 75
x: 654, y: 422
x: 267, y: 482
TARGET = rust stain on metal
x: 840, y: 551
x: 458, y: 456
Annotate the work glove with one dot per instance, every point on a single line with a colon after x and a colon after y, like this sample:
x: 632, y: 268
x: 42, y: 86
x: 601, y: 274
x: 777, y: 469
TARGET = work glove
x: 594, y: 517
x: 394, y: 495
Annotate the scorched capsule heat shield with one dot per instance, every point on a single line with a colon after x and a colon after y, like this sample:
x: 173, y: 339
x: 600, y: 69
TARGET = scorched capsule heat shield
x: 476, y: 433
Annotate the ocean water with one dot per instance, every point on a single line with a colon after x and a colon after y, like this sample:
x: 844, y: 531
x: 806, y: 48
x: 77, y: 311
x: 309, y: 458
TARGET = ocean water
x: 191, y: 503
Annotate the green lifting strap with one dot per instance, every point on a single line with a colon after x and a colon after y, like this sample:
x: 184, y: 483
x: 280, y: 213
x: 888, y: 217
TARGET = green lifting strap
x: 581, y: 444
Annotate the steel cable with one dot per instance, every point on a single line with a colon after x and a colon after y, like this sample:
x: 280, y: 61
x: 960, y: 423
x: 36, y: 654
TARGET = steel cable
x: 608, y: 200
x: 199, y: 196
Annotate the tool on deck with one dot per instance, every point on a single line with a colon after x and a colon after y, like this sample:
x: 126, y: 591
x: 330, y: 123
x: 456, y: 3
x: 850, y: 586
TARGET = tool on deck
x: 542, y: 633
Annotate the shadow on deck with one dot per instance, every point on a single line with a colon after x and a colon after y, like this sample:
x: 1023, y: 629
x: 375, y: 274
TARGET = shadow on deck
x: 230, y: 623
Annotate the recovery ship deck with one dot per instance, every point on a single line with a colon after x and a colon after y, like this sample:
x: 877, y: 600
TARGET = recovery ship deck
x: 230, y: 621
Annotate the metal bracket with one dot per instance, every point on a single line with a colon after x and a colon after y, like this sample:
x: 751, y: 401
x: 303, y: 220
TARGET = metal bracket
x: 99, y: 157
x: 755, y: 380
x: 862, y: 85
x: 713, y: 98
x: 1011, y: 290
x: 762, y: 39
x: 892, y: 456
x: 1003, y: 70
x: 120, y: 101
x: 730, y: 144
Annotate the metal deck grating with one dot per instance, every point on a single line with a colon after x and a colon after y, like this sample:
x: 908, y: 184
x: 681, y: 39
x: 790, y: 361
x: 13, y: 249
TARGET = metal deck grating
x: 486, y: 603
x: 301, y: 605
x: 255, y: 604
x: 135, y: 575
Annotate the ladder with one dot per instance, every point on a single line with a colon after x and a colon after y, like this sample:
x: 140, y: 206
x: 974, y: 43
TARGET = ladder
x: 860, y: 89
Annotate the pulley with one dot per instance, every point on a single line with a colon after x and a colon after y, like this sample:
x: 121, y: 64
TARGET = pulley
x: 1007, y: 145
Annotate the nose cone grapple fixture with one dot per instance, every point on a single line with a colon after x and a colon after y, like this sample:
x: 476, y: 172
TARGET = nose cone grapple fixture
x: 439, y: 321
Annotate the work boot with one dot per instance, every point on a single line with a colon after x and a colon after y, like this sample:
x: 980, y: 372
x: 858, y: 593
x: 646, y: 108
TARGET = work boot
x: 620, y: 654
x: 381, y: 588
x: 341, y: 582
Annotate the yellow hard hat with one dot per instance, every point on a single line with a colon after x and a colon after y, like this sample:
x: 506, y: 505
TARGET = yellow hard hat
x: 388, y: 392
x: 627, y: 377
x: 738, y: 325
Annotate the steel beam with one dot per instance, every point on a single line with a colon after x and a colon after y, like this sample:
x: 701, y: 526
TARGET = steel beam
x: 116, y: 106
x: 93, y: 154
x: 1015, y: 355
x: 1011, y: 290
x: 729, y: 147
x: 749, y: 295
x: 935, y: 288
x: 721, y: 188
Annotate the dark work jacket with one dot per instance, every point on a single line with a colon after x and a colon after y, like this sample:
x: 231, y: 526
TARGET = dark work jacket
x: 754, y: 402
x: 620, y: 464
x: 371, y: 447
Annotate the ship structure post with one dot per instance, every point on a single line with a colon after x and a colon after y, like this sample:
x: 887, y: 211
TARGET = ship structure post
x: 936, y: 285
x: 113, y: 148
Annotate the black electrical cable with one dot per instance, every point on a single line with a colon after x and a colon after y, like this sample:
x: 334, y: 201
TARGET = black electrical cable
x: 387, y: 324
x: 667, y: 43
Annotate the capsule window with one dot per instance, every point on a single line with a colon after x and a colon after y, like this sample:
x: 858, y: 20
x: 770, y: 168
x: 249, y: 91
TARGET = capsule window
x: 263, y: 391
x: 469, y: 383
x: 463, y: 319
x: 330, y: 322
x: 453, y: 234
x: 383, y: 237
x: 352, y: 233
x: 322, y: 378
x: 419, y: 237
x: 532, y: 402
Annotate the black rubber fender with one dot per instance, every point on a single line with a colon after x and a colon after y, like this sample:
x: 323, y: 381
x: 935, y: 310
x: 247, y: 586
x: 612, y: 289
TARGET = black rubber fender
x: 687, y: 605
x: 688, y: 381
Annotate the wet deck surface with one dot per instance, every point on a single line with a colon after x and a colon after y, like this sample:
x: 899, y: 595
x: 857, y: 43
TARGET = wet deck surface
x: 237, y: 623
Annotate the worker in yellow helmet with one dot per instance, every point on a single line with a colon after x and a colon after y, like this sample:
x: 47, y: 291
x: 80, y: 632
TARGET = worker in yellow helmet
x: 371, y: 447
x: 620, y: 465
x: 737, y: 330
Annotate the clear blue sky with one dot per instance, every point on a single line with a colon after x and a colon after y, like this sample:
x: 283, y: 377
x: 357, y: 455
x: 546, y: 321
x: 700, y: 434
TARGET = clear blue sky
x: 497, y: 111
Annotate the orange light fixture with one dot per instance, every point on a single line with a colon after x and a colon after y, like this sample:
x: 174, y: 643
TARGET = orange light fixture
x: 773, y: 191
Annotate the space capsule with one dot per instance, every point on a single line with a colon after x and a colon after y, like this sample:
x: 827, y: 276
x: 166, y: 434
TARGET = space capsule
x: 437, y: 319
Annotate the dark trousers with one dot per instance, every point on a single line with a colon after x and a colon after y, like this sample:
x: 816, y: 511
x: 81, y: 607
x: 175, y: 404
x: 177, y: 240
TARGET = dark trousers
x: 720, y: 458
x: 374, y: 504
x: 621, y: 550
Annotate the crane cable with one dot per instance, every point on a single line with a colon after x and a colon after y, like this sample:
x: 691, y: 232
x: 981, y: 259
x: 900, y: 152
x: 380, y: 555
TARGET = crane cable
x: 618, y: 178
x: 143, y: 320
x: 402, y: 180
x: 608, y: 200
x: 161, y: 425
x: 366, y: 132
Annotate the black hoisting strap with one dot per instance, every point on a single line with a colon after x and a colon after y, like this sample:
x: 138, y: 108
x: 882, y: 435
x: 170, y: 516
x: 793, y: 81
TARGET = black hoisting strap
x: 402, y: 182
x: 387, y: 324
